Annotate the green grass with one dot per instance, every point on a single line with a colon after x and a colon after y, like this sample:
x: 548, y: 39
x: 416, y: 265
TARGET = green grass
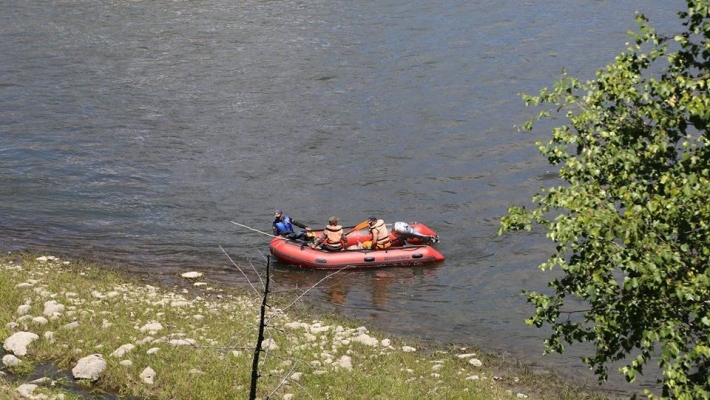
x: 111, y: 309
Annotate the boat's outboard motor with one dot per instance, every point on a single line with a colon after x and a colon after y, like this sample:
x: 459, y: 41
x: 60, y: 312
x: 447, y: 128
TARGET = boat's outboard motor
x: 405, y: 233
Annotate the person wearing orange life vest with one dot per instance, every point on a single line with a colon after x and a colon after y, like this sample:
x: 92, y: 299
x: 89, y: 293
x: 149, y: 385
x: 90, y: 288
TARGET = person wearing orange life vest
x: 380, y: 235
x: 332, y: 239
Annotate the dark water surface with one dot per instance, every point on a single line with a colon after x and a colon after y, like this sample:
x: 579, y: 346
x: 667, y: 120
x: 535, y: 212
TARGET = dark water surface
x: 136, y: 131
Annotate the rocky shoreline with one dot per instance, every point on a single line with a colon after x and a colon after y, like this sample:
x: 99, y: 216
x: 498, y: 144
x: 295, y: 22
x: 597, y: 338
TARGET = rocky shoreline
x: 118, y: 334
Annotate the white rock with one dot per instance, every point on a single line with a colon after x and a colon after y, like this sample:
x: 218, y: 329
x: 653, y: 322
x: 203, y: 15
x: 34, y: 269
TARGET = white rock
x: 408, y: 349
x: 49, y: 336
x: 123, y: 350
x: 52, y: 308
x: 317, y: 328
x: 269, y: 344
x: 386, y: 342
x: 198, y: 284
x: 472, y: 378
x: 475, y: 362
x: 295, y: 325
x: 126, y: 363
x: 153, y: 350
x: 296, y: 376
x: 521, y: 396
x: 182, y: 342
x: 10, y: 361
x: 148, y: 375
x: 24, y: 309
x: 195, y: 371
x: 469, y: 355
x: 288, y: 396
x: 180, y: 303
x: 26, y: 391
x: 71, y: 325
x: 18, y: 342
x: 145, y: 340
x: 191, y: 275
x: 40, y: 320
x: 366, y: 339
x: 152, y: 327
x: 345, y: 362
x: 90, y: 367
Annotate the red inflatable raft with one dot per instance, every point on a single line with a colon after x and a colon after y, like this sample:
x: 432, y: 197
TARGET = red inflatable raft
x: 411, y: 246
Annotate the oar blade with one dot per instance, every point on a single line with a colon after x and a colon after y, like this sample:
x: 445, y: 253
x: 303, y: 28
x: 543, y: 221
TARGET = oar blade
x: 357, y: 227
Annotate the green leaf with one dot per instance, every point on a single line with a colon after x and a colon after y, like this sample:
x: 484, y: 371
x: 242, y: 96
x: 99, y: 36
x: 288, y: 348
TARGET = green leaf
x: 631, y: 224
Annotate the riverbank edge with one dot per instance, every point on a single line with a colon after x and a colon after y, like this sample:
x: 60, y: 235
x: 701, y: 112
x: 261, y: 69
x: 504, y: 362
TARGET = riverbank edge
x: 506, y: 378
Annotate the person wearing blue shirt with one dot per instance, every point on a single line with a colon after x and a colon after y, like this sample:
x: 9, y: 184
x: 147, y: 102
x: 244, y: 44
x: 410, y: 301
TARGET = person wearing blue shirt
x: 283, y: 226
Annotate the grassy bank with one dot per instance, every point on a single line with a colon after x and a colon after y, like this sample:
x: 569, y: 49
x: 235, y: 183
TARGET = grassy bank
x: 172, y: 343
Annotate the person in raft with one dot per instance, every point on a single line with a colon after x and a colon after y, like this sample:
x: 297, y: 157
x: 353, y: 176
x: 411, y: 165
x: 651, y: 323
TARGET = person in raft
x: 283, y: 226
x: 332, y: 238
x: 380, y: 235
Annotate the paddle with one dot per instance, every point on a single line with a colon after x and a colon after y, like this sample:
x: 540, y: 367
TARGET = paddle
x: 361, y: 225
x: 250, y: 228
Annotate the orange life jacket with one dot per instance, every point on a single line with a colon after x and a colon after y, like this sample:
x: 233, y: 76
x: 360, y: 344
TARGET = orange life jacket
x: 380, y: 235
x: 333, y: 237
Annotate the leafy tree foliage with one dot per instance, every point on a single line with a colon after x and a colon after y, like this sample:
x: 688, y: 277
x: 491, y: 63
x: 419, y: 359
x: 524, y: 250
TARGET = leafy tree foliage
x: 632, y: 222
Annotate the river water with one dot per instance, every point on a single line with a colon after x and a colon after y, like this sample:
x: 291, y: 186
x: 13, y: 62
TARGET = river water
x: 135, y: 131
